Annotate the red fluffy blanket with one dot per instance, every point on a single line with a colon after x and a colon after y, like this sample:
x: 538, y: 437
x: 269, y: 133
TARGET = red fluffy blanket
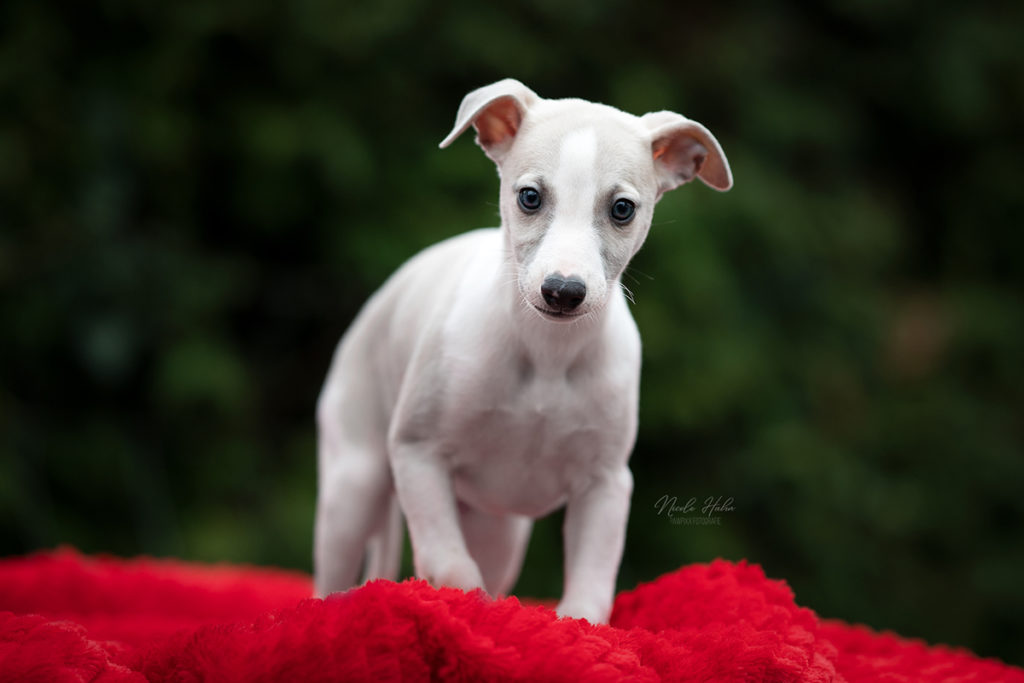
x: 65, y: 617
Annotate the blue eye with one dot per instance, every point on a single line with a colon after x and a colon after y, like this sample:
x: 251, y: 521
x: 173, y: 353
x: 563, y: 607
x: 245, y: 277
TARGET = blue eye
x: 529, y: 199
x: 623, y: 210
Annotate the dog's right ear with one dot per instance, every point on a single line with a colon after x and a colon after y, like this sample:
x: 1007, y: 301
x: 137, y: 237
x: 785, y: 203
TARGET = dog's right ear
x: 496, y: 111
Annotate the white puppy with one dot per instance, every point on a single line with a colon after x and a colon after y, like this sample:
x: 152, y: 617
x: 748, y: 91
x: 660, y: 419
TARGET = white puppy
x: 494, y: 378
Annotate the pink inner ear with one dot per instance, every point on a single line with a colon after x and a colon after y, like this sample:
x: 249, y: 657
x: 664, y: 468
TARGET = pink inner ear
x: 684, y: 151
x: 698, y: 162
x: 682, y: 155
x: 678, y: 148
x: 498, y: 122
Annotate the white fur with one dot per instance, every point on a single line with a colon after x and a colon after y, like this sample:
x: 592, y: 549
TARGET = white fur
x: 571, y: 245
x: 461, y: 398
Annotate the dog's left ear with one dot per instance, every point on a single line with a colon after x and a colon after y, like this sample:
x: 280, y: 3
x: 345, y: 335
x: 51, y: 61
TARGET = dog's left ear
x: 684, y: 149
x: 496, y: 111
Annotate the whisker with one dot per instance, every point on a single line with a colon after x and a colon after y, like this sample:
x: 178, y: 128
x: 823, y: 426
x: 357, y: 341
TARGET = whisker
x: 629, y: 294
x: 630, y: 270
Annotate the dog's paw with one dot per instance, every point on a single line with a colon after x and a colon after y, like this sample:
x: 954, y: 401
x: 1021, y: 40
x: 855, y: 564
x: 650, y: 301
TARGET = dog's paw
x: 462, y: 574
x: 595, y: 614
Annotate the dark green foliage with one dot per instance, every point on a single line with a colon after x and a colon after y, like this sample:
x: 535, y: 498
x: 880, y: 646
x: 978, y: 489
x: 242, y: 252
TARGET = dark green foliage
x: 195, y: 199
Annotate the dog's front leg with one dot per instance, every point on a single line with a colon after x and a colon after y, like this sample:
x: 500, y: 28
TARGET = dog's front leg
x: 424, y: 487
x: 595, y: 532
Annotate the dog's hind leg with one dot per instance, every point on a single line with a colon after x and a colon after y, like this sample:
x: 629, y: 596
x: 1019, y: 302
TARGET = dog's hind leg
x: 384, y: 550
x: 497, y: 544
x: 354, y: 495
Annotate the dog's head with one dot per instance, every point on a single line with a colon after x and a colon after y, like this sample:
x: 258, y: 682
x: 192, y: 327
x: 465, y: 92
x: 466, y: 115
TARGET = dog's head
x: 579, y: 182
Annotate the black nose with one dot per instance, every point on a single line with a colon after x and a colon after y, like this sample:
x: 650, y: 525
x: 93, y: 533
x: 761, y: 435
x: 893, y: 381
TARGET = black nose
x: 563, y: 293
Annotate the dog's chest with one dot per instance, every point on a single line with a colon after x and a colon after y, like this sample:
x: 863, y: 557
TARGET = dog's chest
x: 519, y: 447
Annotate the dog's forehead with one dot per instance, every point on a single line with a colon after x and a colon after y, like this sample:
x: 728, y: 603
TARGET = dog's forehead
x: 555, y: 118
x: 621, y: 140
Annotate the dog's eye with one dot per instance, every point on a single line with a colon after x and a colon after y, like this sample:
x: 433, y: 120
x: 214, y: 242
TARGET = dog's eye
x: 529, y: 199
x: 623, y: 210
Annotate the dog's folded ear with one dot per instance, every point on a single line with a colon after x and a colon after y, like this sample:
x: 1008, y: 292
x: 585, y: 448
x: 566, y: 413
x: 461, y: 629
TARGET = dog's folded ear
x: 684, y: 149
x: 496, y: 111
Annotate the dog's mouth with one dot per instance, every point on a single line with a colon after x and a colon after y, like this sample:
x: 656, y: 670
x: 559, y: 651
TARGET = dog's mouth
x: 557, y: 315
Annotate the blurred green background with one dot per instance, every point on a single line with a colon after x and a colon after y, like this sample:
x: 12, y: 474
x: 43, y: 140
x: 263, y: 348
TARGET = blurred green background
x: 196, y: 198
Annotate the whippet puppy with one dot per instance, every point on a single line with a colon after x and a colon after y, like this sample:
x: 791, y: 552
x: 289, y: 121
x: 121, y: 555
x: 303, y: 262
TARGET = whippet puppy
x: 495, y: 376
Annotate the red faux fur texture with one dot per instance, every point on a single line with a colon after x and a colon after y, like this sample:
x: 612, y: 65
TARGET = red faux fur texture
x: 68, y: 617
